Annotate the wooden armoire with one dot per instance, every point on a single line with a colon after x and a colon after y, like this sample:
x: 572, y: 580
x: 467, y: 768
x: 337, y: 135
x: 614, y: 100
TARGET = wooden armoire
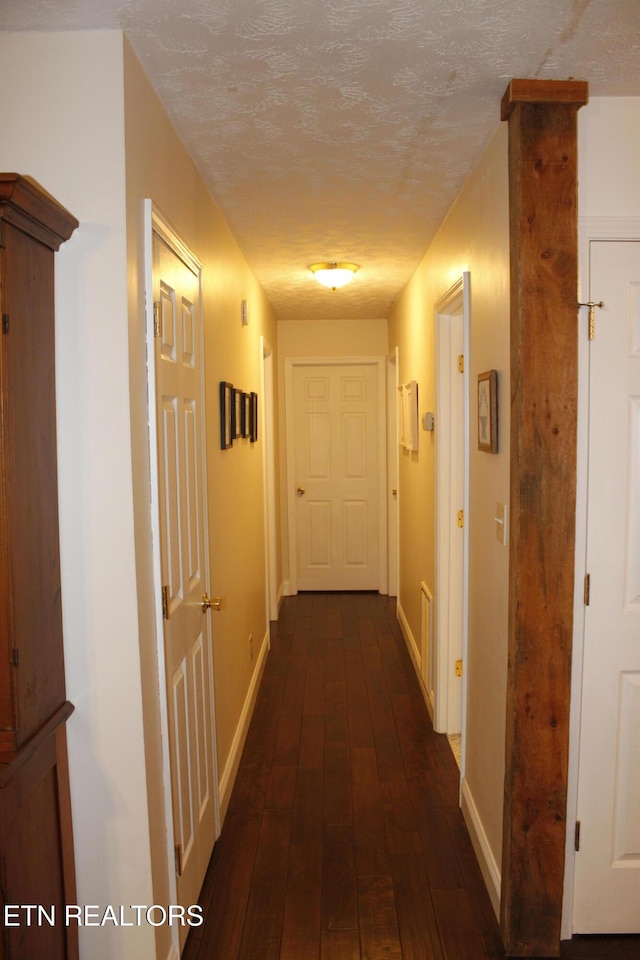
x: 36, y: 845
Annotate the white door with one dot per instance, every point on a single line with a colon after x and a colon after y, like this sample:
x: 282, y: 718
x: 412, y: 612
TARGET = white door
x: 187, y: 634
x: 607, y: 866
x: 337, y: 447
x: 444, y: 677
x: 450, y: 496
x: 392, y: 474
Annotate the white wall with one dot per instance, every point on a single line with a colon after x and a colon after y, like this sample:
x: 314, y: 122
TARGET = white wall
x: 609, y: 158
x: 64, y: 125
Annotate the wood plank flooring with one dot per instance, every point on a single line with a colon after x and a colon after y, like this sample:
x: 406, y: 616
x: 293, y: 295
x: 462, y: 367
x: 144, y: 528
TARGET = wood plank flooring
x: 343, y: 839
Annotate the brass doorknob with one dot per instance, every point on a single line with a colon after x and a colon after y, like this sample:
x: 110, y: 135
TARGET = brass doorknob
x: 211, y: 603
x: 301, y: 491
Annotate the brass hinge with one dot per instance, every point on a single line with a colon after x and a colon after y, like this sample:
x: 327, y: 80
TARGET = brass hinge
x: 592, y: 304
x: 587, y: 589
x: 177, y: 852
x: 15, y: 657
x: 157, y: 323
x: 576, y: 838
x: 458, y: 668
x: 5, y: 323
x: 461, y: 363
x: 165, y: 603
x: 461, y: 518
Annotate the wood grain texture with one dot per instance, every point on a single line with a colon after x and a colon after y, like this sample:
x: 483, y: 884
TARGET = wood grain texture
x: 337, y: 823
x: 544, y: 379
x: 36, y: 840
x: 366, y: 855
x: 543, y: 91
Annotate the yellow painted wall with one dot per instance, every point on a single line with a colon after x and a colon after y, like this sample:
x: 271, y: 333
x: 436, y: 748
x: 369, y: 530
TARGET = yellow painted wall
x: 311, y: 338
x: 474, y: 237
x: 157, y: 166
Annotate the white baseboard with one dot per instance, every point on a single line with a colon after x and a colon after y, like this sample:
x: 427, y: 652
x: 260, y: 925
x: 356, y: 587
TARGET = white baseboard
x: 412, y: 647
x: 409, y: 638
x: 488, y: 866
x: 286, y: 589
x: 282, y: 593
x: 227, y: 780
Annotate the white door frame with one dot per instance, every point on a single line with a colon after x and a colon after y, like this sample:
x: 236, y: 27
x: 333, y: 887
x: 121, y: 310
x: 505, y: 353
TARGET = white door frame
x: 290, y: 363
x: 269, y: 480
x: 393, y: 460
x: 589, y: 229
x: 450, y: 703
x: 154, y: 222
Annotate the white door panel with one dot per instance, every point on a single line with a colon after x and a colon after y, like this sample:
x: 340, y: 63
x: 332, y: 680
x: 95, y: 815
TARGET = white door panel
x: 335, y: 438
x: 187, y: 635
x: 607, y: 869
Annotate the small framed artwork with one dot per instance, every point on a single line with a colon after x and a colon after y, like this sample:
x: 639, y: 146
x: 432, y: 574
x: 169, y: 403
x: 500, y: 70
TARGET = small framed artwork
x: 253, y: 417
x: 246, y: 415
x: 237, y: 414
x: 226, y: 414
x: 488, y: 411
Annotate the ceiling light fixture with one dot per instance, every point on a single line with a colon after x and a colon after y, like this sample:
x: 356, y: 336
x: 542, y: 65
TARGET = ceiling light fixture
x: 333, y: 275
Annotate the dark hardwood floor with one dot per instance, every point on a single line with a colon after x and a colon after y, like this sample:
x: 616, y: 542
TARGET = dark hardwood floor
x: 343, y: 839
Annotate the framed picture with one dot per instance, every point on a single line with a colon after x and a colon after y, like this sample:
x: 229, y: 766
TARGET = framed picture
x: 488, y: 411
x: 236, y: 423
x: 226, y: 414
x: 253, y: 417
x: 246, y: 415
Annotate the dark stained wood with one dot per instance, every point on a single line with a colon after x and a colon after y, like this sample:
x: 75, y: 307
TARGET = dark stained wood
x: 265, y: 905
x: 341, y: 873
x: 364, y: 854
x: 36, y: 849
x: 419, y: 934
x: 379, y: 933
x: 301, y: 921
x: 339, y: 880
x: 544, y: 378
x: 36, y: 842
x: 458, y: 924
x: 26, y: 205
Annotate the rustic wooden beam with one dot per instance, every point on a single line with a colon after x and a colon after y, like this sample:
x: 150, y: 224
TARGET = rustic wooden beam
x: 575, y: 92
x: 544, y: 377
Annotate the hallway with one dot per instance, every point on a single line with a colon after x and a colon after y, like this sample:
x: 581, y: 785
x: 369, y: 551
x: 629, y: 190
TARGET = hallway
x: 343, y: 838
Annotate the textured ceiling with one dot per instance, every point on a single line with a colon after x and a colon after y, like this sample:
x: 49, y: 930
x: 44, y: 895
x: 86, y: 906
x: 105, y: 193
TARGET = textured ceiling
x: 344, y: 129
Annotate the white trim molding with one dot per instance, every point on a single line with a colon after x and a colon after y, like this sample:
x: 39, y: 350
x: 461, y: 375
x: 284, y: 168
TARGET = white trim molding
x: 488, y: 865
x: 414, y: 653
x: 228, y: 777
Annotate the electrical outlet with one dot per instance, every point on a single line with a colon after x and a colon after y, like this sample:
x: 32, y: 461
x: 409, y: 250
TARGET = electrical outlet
x: 251, y: 646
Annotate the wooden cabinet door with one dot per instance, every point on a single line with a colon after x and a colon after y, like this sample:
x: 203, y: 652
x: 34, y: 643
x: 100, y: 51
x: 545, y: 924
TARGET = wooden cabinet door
x: 32, y: 686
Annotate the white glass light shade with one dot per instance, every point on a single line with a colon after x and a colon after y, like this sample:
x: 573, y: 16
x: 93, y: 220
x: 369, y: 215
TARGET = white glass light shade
x: 333, y: 275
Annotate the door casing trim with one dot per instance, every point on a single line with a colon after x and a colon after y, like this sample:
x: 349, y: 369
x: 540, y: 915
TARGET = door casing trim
x: 455, y: 302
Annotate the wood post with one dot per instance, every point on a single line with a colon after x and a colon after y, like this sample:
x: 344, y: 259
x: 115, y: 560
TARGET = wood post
x: 544, y: 378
